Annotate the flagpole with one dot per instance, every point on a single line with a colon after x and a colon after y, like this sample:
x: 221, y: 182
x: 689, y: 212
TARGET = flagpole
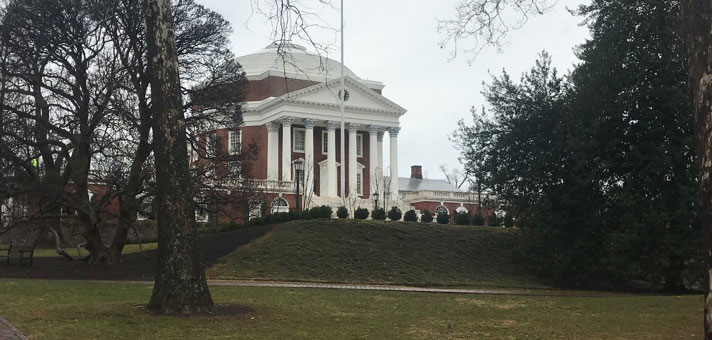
x: 342, y: 97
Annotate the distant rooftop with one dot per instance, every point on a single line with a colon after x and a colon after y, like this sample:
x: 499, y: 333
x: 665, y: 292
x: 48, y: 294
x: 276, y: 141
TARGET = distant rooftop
x: 415, y: 184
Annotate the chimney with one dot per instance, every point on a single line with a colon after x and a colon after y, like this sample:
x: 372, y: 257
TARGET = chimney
x: 416, y: 171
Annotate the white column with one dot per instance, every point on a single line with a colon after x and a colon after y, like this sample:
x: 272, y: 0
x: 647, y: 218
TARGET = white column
x: 373, y: 153
x: 393, y: 132
x: 353, y: 168
x: 381, y: 169
x: 309, y: 165
x: 287, y: 148
x: 273, y: 151
x: 331, y: 159
x: 380, y: 151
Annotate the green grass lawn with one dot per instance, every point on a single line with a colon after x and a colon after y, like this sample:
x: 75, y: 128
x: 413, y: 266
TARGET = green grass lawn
x: 128, y: 249
x: 381, y: 252
x: 90, y: 310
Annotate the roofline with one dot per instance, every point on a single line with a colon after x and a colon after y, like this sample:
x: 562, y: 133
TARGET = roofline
x: 371, y: 84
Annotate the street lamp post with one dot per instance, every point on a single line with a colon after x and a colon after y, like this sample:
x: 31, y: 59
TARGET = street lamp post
x: 298, y: 171
x: 375, y: 198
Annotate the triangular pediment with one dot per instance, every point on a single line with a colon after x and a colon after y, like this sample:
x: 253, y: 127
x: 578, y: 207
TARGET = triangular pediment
x: 359, y: 97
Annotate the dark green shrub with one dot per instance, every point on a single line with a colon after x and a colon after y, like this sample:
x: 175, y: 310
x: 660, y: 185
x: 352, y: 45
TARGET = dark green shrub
x: 342, y: 212
x: 319, y: 212
x: 478, y: 220
x: 361, y: 213
x: 378, y: 214
x: 443, y: 218
x: 410, y: 216
x: 492, y: 220
x: 462, y: 218
x: 426, y: 217
x: 395, y: 214
x: 281, y: 217
x: 297, y: 215
x: 508, y: 220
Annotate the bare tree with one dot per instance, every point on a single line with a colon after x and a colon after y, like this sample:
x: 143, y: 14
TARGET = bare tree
x: 455, y: 177
x: 481, y: 23
x: 180, y: 286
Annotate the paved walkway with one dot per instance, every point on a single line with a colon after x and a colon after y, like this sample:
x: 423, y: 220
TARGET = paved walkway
x: 524, y: 292
x: 394, y: 288
x: 9, y: 332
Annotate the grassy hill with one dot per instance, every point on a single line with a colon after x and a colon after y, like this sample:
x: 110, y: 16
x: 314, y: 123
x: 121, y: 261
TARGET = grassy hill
x: 380, y: 252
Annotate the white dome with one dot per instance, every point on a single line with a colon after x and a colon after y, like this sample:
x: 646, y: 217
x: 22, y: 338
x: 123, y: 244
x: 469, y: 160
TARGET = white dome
x: 297, y: 62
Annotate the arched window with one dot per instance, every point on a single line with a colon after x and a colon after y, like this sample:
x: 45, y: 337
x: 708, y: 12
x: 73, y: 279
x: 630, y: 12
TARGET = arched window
x: 462, y: 210
x: 280, y: 204
x: 442, y: 209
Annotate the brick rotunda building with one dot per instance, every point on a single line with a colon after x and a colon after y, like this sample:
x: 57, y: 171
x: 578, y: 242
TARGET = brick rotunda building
x: 292, y: 114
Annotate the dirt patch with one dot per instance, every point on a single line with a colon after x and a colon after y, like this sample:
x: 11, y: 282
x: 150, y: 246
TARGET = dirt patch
x: 133, y: 267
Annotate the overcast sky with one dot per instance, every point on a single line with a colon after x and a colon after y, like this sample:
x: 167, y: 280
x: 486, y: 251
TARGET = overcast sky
x: 396, y: 42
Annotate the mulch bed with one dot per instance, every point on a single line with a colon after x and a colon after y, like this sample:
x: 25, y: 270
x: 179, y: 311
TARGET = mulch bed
x: 133, y: 267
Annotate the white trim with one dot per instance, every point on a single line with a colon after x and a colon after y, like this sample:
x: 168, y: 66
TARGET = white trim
x: 230, y: 137
x: 294, y: 139
x: 359, y: 151
x: 280, y: 207
x: 324, y: 141
x: 441, y: 205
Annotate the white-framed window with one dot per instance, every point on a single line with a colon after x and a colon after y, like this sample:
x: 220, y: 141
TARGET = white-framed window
x: 234, y: 141
x: 442, y: 209
x: 324, y: 142
x: 359, y: 145
x: 359, y: 182
x: 280, y: 204
x: 255, y: 208
x: 298, y: 139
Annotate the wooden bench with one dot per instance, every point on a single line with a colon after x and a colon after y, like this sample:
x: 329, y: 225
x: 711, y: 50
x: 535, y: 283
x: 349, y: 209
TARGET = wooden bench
x: 23, y: 253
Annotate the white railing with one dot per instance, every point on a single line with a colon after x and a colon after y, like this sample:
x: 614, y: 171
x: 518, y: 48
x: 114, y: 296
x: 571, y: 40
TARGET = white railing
x: 276, y: 186
x: 433, y: 195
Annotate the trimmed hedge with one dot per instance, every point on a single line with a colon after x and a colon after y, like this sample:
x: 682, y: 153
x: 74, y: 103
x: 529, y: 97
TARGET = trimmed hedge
x: 395, y: 214
x: 361, y: 213
x: 478, y: 220
x: 427, y: 217
x: 378, y: 214
x: 462, y: 218
x: 443, y: 218
x: 493, y: 221
x: 342, y: 212
x: 410, y: 216
x: 323, y: 211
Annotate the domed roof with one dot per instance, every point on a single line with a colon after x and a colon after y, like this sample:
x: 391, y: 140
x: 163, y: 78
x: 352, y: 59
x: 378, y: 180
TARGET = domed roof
x: 295, y: 60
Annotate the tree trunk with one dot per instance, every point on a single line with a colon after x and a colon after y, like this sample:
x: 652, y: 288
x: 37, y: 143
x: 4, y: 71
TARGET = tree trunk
x: 697, y: 16
x: 180, y: 286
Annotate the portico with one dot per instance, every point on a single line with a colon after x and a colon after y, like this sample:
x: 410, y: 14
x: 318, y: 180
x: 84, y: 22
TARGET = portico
x: 315, y: 141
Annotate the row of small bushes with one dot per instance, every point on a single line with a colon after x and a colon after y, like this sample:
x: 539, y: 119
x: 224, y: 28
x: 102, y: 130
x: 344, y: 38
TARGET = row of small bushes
x: 463, y: 218
x: 309, y: 214
x: 395, y: 214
